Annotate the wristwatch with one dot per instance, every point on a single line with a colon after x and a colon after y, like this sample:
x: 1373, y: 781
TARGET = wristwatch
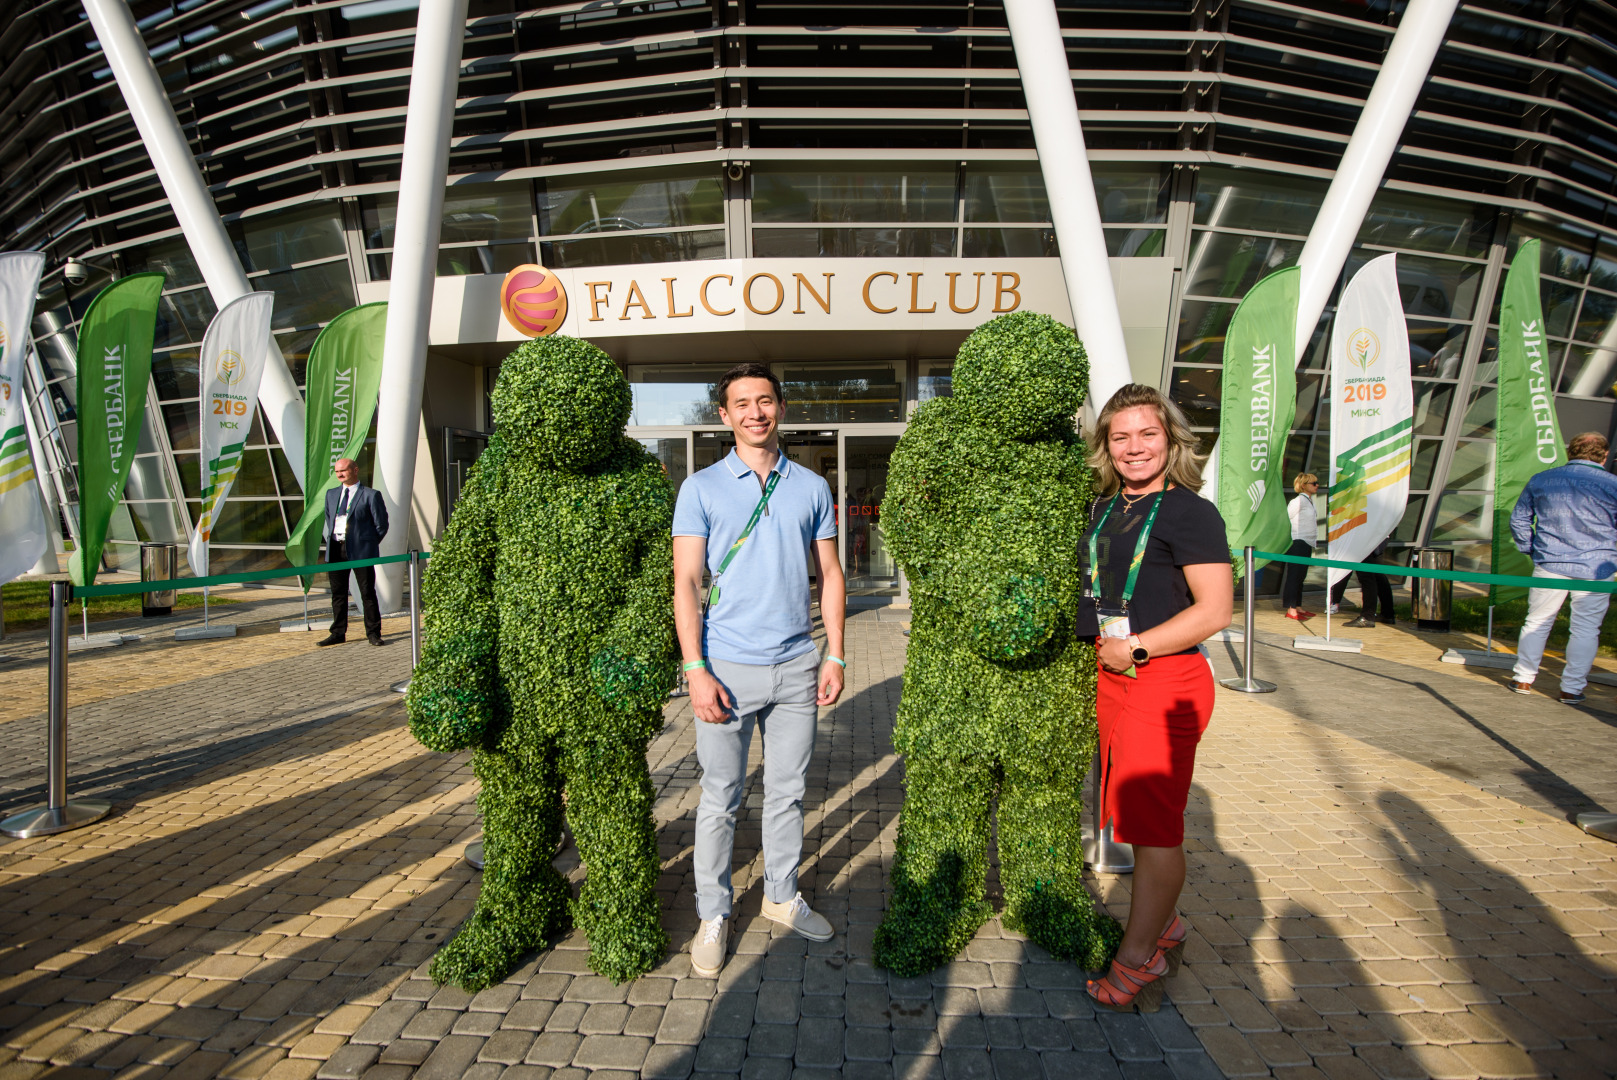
x: 1137, y: 650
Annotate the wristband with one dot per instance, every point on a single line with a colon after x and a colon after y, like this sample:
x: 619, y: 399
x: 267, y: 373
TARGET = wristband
x: 692, y: 665
x: 838, y: 660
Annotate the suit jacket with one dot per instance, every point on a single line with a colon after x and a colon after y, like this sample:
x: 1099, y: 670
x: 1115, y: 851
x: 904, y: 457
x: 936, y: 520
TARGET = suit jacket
x: 367, y: 521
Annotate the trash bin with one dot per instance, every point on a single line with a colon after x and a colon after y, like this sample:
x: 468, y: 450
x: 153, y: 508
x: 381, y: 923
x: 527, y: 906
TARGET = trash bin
x: 1433, y: 598
x: 157, y: 563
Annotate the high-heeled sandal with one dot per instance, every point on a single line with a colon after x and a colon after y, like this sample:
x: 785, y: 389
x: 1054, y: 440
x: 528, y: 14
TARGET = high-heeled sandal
x: 1172, y: 943
x: 1125, y: 989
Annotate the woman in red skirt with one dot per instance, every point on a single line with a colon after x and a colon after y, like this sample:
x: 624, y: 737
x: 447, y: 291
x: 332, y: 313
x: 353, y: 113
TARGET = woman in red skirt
x: 1157, y: 583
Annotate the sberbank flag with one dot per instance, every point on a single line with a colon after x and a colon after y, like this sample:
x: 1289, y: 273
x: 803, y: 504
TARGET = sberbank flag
x: 1256, y: 408
x: 341, y: 383
x: 115, y: 367
x: 1528, y: 438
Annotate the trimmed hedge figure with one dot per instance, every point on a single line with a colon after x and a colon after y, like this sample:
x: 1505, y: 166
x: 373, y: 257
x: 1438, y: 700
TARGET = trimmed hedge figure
x: 550, y: 652
x: 987, y: 496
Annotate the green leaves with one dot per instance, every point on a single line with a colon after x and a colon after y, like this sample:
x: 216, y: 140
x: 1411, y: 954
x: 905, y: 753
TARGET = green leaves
x: 550, y: 650
x: 987, y: 498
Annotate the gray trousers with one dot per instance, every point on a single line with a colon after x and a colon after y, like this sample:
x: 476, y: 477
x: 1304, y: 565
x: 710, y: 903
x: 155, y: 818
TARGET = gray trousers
x: 780, y: 700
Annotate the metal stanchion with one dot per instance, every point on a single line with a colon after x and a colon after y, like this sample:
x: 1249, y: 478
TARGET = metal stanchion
x: 1249, y: 594
x: 1103, y: 854
x: 1601, y: 825
x: 415, y: 620
x: 58, y: 814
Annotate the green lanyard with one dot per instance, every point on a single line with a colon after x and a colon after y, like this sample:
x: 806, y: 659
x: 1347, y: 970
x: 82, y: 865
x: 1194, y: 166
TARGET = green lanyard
x: 752, y: 522
x: 1139, y: 551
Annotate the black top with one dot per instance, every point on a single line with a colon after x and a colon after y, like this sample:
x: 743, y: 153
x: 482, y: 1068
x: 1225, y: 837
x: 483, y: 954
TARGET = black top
x: 1188, y: 530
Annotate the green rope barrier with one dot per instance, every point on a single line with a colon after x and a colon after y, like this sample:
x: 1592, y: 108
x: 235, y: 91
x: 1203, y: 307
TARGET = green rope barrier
x: 1394, y: 570
x: 133, y: 588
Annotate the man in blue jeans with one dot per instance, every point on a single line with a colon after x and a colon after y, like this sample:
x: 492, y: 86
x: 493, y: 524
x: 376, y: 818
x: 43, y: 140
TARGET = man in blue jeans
x: 750, y: 661
x: 1566, y: 519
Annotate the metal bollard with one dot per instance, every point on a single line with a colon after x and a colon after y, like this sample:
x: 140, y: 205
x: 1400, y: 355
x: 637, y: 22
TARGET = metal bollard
x: 1249, y: 594
x: 1103, y: 854
x: 58, y: 814
x: 415, y: 621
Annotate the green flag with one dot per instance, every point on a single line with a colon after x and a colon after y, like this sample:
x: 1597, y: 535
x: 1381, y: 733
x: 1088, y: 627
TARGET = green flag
x: 1528, y: 438
x: 115, y: 367
x: 1256, y: 407
x: 343, y: 377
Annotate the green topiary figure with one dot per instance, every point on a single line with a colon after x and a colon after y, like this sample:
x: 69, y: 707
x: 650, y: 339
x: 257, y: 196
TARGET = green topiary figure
x: 986, y: 501
x: 550, y: 652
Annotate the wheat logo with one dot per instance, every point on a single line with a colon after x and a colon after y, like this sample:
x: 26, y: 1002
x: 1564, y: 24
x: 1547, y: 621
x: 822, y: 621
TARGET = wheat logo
x: 230, y: 367
x: 1363, y: 348
x: 1254, y: 492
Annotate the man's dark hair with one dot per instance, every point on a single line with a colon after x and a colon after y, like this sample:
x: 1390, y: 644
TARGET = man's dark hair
x: 721, y: 389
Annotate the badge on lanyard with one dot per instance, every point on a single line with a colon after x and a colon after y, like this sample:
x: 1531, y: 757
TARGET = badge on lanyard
x: 1114, y: 622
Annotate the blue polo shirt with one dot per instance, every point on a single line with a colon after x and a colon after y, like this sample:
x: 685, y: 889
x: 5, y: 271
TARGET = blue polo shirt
x: 762, y: 615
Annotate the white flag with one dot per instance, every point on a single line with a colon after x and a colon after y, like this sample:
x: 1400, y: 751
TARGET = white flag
x: 231, y: 367
x: 1372, y: 414
x: 23, y: 535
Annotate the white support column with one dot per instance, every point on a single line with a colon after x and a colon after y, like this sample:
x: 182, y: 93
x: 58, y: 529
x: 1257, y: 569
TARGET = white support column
x: 1041, y: 57
x: 187, y: 192
x: 434, y: 80
x: 1358, y: 175
x: 1369, y: 152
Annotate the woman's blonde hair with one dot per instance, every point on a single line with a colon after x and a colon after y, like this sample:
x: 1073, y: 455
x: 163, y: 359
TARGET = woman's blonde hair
x: 1184, y: 449
x: 1303, y: 478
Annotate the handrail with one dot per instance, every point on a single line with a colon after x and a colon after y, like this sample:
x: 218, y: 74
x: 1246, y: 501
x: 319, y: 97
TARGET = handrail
x: 1394, y: 570
x: 132, y: 588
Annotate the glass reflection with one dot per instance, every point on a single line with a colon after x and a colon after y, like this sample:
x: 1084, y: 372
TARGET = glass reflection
x: 671, y: 453
x: 854, y: 243
x: 1011, y: 244
x: 1269, y: 202
x: 680, y: 394
x: 1227, y: 265
x: 641, y: 248
x: 1472, y: 466
x: 793, y: 194
x: 1564, y: 251
x: 1401, y: 220
x: 175, y: 374
x: 1436, y: 349
x: 935, y: 380
x: 870, y: 566
x: 1202, y: 326
x: 1196, y: 391
x: 852, y: 393
x: 615, y: 202
x: 309, y: 295
x: 287, y: 237
x: 1463, y: 515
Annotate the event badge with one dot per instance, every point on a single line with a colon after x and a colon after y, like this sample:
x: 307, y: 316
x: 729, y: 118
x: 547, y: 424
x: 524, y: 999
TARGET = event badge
x: 1115, y: 624
x: 339, y: 530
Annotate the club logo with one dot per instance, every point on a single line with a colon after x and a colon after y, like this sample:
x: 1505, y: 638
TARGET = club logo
x: 533, y: 300
x: 1363, y: 349
x: 230, y: 367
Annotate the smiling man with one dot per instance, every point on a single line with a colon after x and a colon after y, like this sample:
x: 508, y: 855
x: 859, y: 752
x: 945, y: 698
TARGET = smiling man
x: 755, y: 521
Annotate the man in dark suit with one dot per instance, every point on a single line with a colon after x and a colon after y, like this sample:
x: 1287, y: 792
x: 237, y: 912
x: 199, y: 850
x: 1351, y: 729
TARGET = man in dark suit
x: 356, y: 521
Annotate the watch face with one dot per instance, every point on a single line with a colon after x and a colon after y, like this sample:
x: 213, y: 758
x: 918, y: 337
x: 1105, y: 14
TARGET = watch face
x: 1141, y: 656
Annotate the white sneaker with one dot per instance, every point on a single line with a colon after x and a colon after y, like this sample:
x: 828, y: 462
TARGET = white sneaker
x: 1336, y: 609
x: 708, y: 947
x: 800, y: 918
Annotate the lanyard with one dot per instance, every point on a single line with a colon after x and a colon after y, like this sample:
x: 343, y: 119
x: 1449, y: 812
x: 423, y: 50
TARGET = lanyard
x: 1139, y: 550
x: 752, y: 522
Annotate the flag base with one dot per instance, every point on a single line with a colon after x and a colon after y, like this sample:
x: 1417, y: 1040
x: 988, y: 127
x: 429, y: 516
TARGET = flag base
x: 1601, y: 825
x: 1319, y: 644
x: 205, y: 633
x: 474, y: 853
x: 1479, y: 658
x: 49, y: 820
x: 297, y: 626
x: 100, y: 641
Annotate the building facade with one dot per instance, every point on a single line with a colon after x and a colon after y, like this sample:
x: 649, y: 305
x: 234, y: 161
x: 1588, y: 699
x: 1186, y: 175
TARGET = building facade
x: 839, y: 190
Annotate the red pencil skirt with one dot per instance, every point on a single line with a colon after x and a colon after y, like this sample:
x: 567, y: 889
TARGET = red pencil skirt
x: 1149, y: 728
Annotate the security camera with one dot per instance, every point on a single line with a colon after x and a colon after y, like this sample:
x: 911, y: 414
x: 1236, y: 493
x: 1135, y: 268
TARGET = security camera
x: 75, y: 272
x: 736, y: 171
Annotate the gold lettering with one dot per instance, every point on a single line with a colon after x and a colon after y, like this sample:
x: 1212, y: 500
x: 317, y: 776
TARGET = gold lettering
x: 780, y: 294
x: 636, y: 299
x: 871, y: 304
x: 597, y: 301
x: 672, y: 314
x: 915, y: 297
x: 823, y: 301
x: 702, y: 294
x: 1001, y: 291
x: 975, y: 300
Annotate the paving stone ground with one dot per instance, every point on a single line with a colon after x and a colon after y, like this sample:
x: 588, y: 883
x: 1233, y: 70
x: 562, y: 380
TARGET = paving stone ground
x: 285, y: 860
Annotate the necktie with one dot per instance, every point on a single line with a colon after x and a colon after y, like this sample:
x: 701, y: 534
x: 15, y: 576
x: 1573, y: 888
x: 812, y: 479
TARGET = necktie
x: 343, y: 509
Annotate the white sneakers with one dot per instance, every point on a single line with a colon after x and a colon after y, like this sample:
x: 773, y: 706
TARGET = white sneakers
x: 707, y: 948
x: 798, y: 917
x: 713, y: 935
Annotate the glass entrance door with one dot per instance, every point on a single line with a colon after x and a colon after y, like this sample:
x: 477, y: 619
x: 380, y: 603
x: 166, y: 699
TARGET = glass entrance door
x: 865, y: 558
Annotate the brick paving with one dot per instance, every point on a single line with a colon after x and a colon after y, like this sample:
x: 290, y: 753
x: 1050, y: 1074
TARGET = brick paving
x: 285, y: 860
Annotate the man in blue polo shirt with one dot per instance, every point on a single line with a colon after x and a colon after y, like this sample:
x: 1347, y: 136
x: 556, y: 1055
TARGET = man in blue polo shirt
x: 750, y: 660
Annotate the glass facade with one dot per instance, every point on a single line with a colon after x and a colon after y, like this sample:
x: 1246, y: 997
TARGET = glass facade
x: 705, y: 129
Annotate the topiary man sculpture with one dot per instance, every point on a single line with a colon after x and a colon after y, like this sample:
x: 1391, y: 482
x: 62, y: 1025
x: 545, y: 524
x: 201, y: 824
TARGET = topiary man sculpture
x: 987, y: 497
x: 550, y: 652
